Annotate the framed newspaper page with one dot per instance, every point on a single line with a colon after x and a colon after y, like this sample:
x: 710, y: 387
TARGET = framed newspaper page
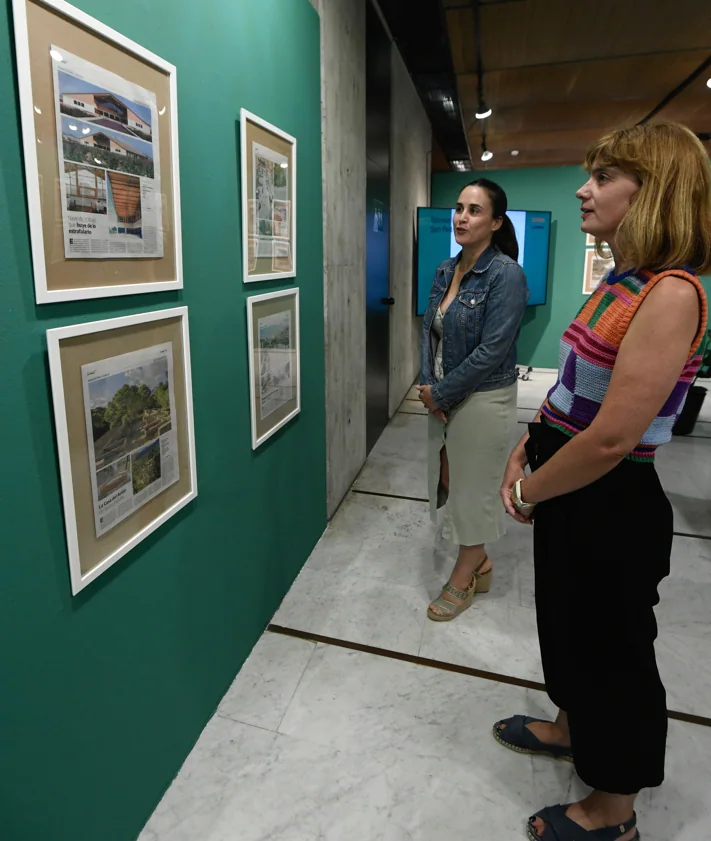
x: 100, y: 139
x: 274, y: 362
x: 268, y: 200
x: 123, y: 413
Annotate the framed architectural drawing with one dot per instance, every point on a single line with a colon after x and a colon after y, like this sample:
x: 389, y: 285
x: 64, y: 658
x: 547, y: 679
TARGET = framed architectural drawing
x: 100, y: 139
x: 124, y: 418
x: 274, y: 361
x: 596, y: 268
x: 268, y: 200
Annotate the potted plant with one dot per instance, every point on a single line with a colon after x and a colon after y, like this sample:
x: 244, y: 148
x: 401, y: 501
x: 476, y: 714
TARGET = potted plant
x: 697, y: 393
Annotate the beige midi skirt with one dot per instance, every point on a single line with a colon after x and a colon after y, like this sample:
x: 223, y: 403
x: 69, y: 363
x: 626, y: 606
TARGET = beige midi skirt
x: 478, y: 439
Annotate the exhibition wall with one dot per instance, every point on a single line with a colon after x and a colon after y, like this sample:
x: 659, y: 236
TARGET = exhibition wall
x: 545, y: 188
x: 106, y: 692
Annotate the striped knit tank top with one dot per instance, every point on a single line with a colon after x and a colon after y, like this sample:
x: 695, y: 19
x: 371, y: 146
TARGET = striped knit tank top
x: 588, y: 351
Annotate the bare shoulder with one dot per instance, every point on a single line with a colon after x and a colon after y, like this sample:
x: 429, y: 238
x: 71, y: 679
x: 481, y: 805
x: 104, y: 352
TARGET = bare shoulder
x: 672, y: 304
x: 675, y: 292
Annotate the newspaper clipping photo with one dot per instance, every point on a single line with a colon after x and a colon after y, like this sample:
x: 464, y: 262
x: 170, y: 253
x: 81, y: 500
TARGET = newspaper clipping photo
x: 131, y: 430
x: 275, y: 362
x: 107, y: 138
x: 270, y: 173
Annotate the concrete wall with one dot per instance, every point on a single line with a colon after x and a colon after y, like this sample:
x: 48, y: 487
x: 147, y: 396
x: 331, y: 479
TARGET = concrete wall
x: 344, y: 180
x: 411, y: 147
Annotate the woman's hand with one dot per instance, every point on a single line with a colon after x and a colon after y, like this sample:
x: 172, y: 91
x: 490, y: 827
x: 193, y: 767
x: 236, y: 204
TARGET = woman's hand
x: 426, y: 398
x: 515, y: 470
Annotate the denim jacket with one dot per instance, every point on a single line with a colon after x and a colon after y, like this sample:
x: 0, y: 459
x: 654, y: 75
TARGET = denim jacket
x: 481, y: 328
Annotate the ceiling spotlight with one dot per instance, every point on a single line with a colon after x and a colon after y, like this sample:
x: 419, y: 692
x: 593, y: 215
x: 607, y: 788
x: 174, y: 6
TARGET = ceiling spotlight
x: 482, y: 112
x: 708, y: 83
x: 460, y: 166
x: 56, y: 55
x: 486, y: 155
x: 514, y: 152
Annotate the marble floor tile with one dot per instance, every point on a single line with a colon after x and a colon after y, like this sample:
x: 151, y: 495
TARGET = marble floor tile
x: 533, y: 392
x: 265, y: 685
x: 683, y: 662
x: 226, y: 753
x: 412, y: 406
x: 394, y: 475
x: 495, y: 636
x: 684, y: 467
x: 363, y: 704
x: 306, y: 791
x: 405, y: 437
x: 349, y: 606
x: 376, y: 749
x: 391, y: 540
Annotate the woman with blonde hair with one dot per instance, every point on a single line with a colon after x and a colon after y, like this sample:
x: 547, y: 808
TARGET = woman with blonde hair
x: 602, y: 524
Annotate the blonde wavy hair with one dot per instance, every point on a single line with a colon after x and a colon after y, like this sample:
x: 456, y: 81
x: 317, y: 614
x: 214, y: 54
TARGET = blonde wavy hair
x: 668, y: 224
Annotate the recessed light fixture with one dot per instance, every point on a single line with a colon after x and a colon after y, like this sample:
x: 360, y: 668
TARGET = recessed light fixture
x: 38, y: 110
x: 482, y: 112
x: 56, y: 55
x: 708, y: 83
x: 460, y: 166
x: 486, y: 155
x: 162, y: 111
x: 514, y: 152
x: 72, y: 127
x: 284, y: 165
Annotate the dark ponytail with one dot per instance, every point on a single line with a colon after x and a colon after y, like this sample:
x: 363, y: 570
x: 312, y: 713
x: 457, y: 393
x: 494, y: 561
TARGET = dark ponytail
x: 505, y: 238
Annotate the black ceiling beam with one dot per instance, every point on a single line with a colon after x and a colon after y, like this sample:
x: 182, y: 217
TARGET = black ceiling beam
x: 423, y: 42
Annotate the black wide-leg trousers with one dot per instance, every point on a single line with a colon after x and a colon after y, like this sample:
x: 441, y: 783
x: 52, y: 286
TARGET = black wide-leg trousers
x: 600, y: 554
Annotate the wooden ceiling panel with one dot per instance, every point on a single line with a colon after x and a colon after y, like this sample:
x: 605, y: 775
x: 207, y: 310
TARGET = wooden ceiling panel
x: 530, y: 32
x: 631, y: 78
x: 601, y: 116
x: 558, y: 73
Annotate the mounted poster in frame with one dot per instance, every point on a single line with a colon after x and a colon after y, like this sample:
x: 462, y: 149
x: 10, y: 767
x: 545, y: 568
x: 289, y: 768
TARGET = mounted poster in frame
x: 123, y: 412
x: 100, y: 139
x: 268, y: 200
x: 274, y: 361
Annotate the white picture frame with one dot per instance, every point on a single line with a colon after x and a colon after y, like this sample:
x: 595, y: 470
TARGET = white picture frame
x: 55, y: 337
x: 250, y: 271
x: 43, y: 293
x: 263, y: 427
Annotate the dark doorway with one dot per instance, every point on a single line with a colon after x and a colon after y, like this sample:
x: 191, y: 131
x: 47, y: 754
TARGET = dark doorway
x: 377, y: 221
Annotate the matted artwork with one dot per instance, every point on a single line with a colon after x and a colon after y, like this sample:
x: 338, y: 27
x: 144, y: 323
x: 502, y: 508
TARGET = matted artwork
x: 100, y: 137
x: 123, y: 413
x: 596, y: 268
x: 268, y: 200
x: 274, y: 361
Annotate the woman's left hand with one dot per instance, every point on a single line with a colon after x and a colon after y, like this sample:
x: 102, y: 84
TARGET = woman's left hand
x: 426, y: 397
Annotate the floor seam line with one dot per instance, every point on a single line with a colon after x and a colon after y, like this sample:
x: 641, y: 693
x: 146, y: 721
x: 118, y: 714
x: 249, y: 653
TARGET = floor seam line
x: 414, y: 659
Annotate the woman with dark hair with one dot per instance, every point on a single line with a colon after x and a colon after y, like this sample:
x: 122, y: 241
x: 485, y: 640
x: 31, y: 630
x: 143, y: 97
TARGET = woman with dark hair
x: 468, y: 383
x: 603, y: 526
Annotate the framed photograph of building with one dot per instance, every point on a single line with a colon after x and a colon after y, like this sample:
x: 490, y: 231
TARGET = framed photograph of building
x: 268, y: 200
x: 274, y: 361
x: 100, y: 140
x: 123, y: 413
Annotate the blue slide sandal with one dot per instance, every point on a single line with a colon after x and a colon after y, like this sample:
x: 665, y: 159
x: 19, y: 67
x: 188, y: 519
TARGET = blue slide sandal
x: 559, y: 827
x: 517, y: 737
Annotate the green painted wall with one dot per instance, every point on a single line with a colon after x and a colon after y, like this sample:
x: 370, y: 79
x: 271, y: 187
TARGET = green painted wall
x: 545, y: 188
x: 103, y: 695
